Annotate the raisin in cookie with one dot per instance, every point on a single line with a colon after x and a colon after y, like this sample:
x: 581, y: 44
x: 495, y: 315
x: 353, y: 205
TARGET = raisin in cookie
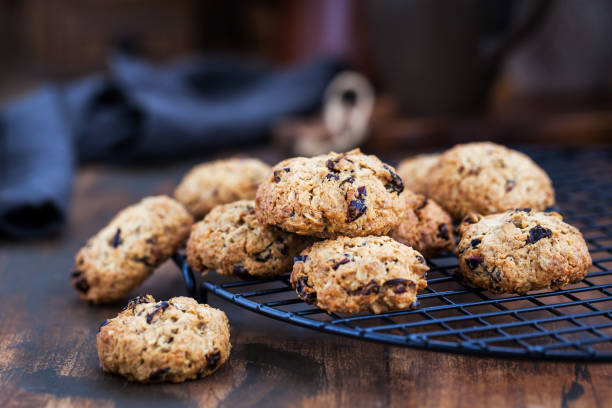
x: 232, y: 241
x: 124, y: 253
x: 330, y: 195
x: 521, y: 250
x: 174, y: 340
x: 487, y: 178
x: 356, y: 274
x: 425, y: 226
x: 220, y: 182
x: 414, y: 171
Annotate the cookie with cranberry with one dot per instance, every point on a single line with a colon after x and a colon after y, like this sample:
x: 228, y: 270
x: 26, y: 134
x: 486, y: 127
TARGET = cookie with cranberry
x: 425, y: 226
x: 353, y: 275
x: 414, y: 171
x: 487, y: 178
x: 349, y: 194
x: 124, y: 253
x: 232, y: 241
x: 173, y: 341
x: 521, y: 250
x: 220, y: 182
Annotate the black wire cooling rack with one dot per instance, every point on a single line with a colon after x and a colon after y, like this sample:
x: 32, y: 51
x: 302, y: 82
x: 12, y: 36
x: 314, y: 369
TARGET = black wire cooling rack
x: 573, y: 323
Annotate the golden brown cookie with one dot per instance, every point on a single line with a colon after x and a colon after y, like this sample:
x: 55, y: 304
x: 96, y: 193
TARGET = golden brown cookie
x: 124, y: 253
x: 174, y: 340
x: 330, y: 195
x: 425, y: 226
x: 521, y: 250
x: 357, y: 274
x: 220, y: 182
x: 232, y: 241
x: 487, y: 178
x: 414, y: 171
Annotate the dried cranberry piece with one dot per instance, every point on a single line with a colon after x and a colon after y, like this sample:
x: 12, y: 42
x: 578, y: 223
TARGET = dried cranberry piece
x: 423, y: 204
x: 357, y: 207
x: 331, y: 165
x: 473, y: 261
x: 420, y: 259
x: 305, y: 291
x: 341, y: 262
x: 443, y: 232
x: 470, y: 219
x: 116, y: 241
x: 496, y: 275
x: 396, y: 185
x: 349, y: 180
x: 371, y: 287
x: 398, y: 285
x: 330, y: 176
x: 510, y: 185
x: 264, y: 255
x: 242, y: 272
x: 212, y: 359
x: 158, y: 374
x: 287, y: 169
x: 537, y: 233
x: 162, y: 306
x: 276, y: 176
x: 474, y: 243
x: 136, y: 301
x: 82, y: 285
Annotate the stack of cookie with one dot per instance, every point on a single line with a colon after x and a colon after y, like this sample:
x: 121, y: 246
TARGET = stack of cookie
x: 354, y: 237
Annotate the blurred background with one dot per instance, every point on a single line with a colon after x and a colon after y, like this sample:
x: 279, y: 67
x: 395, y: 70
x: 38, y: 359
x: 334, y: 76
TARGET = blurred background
x: 123, y: 80
x: 514, y: 71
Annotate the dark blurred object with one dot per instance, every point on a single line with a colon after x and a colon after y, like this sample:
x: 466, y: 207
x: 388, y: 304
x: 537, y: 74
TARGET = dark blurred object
x: 530, y: 122
x: 569, y: 54
x: 64, y: 37
x: 440, y: 59
x: 342, y: 125
x: 139, y: 112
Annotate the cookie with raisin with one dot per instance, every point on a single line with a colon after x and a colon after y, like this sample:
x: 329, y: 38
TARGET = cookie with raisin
x: 348, y: 194
x: 220, y: 182
x: 521, y: 250
x: 425, y: 226
x: 232, y: 241
x: 124, y: 253
x: 353, y: 275
x: 487, y: 178
x: 164, y: 341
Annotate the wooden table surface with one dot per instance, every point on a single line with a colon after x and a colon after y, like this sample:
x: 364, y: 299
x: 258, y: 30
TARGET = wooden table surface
x: 48, y: 354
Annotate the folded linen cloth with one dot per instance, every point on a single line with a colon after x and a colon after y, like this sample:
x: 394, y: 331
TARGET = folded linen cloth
x: 137, y: 111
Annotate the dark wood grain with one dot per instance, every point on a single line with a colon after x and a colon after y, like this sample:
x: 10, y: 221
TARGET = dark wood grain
x: 48, y: 356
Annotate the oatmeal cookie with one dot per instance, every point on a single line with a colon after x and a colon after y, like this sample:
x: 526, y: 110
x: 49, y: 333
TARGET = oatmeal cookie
x: 124, y: 253
x: 232, y: 241
x: 330, y: 195
x: 357, y: 274
x: 220, y: 182
x: 487, y: 178
x: 414, y: 171
x: 425, y: 226
x: 155, y: 341
x: 521, y: 250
